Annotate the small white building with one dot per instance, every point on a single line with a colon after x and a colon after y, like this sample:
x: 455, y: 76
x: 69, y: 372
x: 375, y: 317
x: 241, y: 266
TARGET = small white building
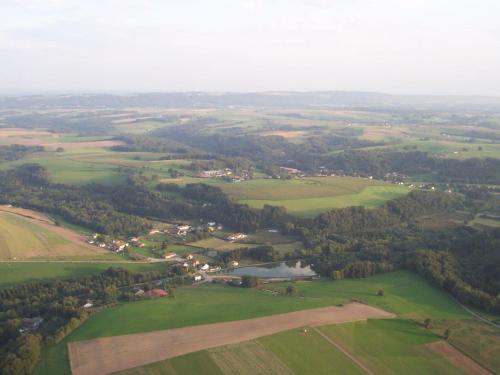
x: 197, y: 278
x: 88, y: 305
x: 205, y: 267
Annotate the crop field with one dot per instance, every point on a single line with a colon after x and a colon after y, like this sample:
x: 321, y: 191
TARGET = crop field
x: 309, y: 353
x: 100, y: 357
x: 287, y: 353
x: 393, y: 346
x: 25, y: 272
x: 406, y: 294
x: 22, y: 238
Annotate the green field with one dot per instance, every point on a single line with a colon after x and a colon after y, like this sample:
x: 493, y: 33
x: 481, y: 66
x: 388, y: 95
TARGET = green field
x: 370, y: 197
x: 393, y: 346
x: 310, y: 196
x: 23, y: 272
x: 405, y: 294
x: 309, y: 353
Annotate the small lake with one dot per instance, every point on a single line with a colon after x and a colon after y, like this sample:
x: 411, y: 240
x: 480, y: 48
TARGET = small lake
x: 278, y: 270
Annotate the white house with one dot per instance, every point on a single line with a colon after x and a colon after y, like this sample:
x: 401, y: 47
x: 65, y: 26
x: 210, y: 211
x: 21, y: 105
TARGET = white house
x: 197, y: 278
x: 205, y: 267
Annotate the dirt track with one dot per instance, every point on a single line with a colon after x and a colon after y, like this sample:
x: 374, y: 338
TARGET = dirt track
x: 110, y: 354
x: 457, y: 358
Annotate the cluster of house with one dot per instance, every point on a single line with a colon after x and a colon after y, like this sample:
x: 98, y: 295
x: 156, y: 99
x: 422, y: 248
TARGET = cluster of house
x: 226, y: 173
x: 115, y: 246
x: 189, y: 262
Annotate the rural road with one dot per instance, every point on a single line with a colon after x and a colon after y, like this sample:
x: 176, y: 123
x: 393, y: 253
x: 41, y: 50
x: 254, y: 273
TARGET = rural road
x: 110, y: 354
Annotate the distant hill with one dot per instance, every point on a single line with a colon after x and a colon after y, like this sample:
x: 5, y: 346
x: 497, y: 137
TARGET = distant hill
x: 331, y: 99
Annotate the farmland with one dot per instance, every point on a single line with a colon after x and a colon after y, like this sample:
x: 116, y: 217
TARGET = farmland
x: 98, y: 357
x: 127, y: 174
x: 405, y: 294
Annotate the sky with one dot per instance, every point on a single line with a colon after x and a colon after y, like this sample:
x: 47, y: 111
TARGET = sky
x: 123, y: 46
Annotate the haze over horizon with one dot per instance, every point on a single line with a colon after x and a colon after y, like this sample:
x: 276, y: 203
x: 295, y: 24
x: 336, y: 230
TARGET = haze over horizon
x: 441, y: 47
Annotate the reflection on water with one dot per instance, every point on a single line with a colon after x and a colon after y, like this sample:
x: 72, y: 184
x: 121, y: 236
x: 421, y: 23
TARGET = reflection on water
x: 283, y: 269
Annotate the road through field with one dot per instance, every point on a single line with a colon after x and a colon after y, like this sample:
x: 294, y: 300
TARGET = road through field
x: 111, y: 354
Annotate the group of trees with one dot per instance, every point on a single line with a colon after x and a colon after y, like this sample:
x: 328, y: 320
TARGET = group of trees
x: 135, y: 143
x: 15, y: 152
x: 59, y: 303
x: 360, y: 221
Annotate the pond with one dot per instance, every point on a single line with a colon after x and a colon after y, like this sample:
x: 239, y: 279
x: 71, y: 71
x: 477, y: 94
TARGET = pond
x: 278, y: 270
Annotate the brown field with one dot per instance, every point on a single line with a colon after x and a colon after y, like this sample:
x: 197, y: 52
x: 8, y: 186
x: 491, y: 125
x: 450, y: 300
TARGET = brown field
x: 383, y: 132
x: 285, y: 134
x: 458, y: 359
x: 111, y: 354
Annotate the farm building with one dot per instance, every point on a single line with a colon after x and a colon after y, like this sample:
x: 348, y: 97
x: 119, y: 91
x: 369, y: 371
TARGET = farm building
x: 181, y: 230
x: 156, y: 293
x: 205, y: 267
x: 169, y: 255
x: 197, y: 278
x: 236, y: 236
x: 117, y: 246
x: 31, y: 324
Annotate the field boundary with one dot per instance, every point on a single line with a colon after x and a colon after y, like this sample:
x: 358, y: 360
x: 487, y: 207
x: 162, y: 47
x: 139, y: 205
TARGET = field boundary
x: 345, y: 352
x: 457, y: 358
x: 110, y: 354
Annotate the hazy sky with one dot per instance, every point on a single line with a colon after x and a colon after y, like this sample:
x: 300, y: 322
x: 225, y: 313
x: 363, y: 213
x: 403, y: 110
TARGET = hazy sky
x: 395, y: 46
